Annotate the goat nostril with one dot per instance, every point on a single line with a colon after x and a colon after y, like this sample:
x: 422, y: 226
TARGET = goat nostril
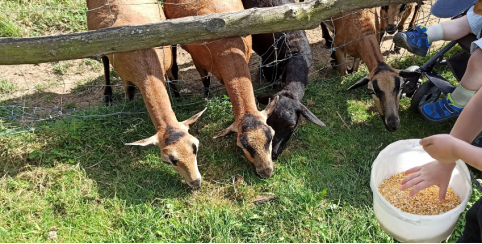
x: 195, y: 184
x: 265, y: 173
x: 392, y: 123
x: 391, y: 29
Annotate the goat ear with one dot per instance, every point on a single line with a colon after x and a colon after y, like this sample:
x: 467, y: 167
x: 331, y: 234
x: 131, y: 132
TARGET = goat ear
x: 151, y: 141
x: 270, y: 108
x: 264, y: 98
x: 310, y: 116
x: 362, y: 82
x: 231, y: 129
x: 193, y: 119
x: 409, y: 74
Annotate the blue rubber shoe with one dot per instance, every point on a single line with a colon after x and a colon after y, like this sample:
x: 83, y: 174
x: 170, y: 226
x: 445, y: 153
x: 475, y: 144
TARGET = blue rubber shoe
x: 414, y: 40
x: 441, y: 110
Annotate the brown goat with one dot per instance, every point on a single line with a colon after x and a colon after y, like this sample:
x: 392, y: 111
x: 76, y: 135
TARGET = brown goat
x: 228, y: 59
x: 147, y: 69
x: 385, y: 83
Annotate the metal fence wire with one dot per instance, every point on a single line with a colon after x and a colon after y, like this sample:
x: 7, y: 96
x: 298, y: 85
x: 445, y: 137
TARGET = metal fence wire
x: 34, y: 96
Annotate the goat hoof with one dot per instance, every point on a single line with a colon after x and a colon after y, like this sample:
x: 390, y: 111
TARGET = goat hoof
x: 206, y: 92
x: 108, y: 100
x: 334, y: 64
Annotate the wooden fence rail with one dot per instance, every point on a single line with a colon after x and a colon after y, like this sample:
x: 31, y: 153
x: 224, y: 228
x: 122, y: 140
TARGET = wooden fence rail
x: 296, y: 16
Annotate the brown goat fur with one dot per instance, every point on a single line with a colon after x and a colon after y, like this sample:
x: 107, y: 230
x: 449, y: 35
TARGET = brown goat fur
x: 228, y: 59
x: 385, y: 83
x: 147, y: 69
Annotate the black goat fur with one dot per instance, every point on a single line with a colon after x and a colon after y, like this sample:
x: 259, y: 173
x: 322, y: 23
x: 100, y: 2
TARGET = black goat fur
x: 294, y: 50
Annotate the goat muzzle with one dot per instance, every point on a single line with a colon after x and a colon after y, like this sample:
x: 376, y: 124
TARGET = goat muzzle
x: 195, y: 184
x: 391, y: 29
x: 265, y: 173
x: 392, y: 123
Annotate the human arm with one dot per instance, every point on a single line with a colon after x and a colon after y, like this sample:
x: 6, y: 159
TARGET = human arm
x: 447, y: 149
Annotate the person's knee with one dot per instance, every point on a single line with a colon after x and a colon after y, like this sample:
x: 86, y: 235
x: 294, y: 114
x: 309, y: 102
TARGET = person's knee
x: 475, y: 60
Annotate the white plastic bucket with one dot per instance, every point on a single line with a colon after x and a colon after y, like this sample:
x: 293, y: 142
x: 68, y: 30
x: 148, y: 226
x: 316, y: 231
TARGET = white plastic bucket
x: 401, y: 156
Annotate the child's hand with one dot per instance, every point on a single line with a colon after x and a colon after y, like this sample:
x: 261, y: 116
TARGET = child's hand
x: 442, y: 147
x: 433, y: 173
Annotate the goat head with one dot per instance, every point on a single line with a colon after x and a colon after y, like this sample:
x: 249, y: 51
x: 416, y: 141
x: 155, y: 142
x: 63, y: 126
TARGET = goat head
x: 285, y: 119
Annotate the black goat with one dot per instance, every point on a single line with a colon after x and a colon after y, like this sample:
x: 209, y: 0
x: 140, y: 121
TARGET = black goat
x: 291, y: 61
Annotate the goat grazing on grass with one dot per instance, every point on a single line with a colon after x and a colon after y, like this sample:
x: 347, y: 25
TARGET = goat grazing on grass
x: 294, y: 50
x: 357, y: 30
x: 146, y: 69
x: 228, y: 59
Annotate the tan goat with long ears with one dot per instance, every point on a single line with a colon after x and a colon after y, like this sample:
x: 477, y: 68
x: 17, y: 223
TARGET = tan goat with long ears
x: 228, y: 59
x: 385, y: 83
x: 147, y: 69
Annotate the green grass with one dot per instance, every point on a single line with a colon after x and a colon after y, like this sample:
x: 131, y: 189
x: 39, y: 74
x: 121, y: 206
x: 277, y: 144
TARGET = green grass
x: 7, y: 86
x: 77, y: 176
x: 62, y: 67
x: 41, y: 21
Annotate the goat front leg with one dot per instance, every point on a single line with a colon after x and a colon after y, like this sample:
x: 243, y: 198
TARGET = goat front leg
x: 108, y: 88
x: 415, y: 14
x: 172, y: 84
x: 130, y: 89
x: 205, y: 78
x: 356, y: 66
x: 173, y: 73
x: 341, y: 58
x: 325, y: 33
x: 405, y: 15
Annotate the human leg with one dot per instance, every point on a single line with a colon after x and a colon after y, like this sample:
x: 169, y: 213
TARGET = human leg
x: 451, y: 106
x: 473, y: 220
x: 419, y: 39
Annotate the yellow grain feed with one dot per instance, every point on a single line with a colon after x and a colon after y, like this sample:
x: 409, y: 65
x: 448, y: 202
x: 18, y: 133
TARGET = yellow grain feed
x: 425, y: 202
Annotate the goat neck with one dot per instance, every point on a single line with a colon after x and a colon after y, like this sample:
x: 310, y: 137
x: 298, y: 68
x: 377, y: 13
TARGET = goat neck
x: 146, y: 69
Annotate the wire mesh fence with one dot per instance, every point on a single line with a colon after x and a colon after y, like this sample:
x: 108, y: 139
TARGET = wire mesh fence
x: 34, y: 96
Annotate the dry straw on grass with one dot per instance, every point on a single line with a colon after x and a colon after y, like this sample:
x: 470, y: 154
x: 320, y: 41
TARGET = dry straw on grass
x: 425, y: 202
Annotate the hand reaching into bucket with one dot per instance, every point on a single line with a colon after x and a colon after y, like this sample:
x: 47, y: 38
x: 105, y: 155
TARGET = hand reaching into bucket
x: 446, y: 149
x: 433, y: 173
